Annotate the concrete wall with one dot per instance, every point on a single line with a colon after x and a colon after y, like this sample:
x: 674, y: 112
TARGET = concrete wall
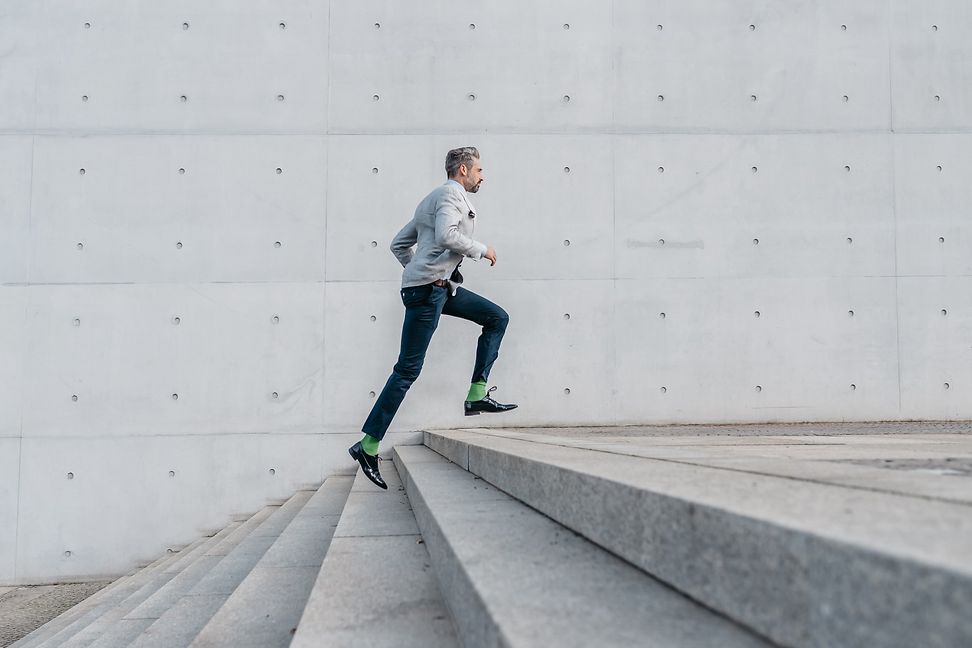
x: 705, y: 211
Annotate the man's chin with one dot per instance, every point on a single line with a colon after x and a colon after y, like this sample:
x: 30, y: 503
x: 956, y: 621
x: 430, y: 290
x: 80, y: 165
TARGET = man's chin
x: 474, y: 189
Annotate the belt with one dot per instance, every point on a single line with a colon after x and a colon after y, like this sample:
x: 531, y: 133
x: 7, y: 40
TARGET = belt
x: 440, y: 282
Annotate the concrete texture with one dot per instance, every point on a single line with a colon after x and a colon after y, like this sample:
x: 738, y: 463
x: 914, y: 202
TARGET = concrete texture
x: 705, y: 159
x: 181, y: 623
x: 514, y: 577
x: 808, y: 550
x: 376, y: 586
x: 265, y: 608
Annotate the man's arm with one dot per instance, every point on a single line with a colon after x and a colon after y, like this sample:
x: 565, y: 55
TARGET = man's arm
x: 448, y: 214
x: 401, y: 245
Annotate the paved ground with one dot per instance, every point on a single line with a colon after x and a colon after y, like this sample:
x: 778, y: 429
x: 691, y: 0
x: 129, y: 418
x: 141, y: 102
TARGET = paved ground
x: 22, y: 609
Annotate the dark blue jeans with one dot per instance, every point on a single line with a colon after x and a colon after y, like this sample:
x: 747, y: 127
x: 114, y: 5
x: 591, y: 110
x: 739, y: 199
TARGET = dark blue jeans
x: 423, y: 306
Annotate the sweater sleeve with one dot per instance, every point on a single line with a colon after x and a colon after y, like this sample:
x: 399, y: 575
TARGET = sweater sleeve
x: 404, y: 241
x: 448, y: 214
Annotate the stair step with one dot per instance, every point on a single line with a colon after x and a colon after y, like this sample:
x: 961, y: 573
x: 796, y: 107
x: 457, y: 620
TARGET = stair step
x: 67, y: 617
x: 264, y: 610
x: 137, y: 620
x: 180, y: 624
x: 513, y: 577
x: 95, y: 630
x: 376, y: 587
x: 802, y: 562
x: 116, y: 596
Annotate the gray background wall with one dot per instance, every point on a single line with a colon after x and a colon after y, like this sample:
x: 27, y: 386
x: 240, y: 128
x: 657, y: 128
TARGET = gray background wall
x: 661, y: 139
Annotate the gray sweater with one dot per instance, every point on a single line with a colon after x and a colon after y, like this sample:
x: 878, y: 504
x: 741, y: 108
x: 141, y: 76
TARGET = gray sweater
x: 433, y: 243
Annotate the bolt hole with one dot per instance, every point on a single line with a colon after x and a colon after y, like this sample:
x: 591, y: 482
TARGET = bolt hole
x: 849, y: 240
x: 756, y: 314
x: 80, y: 246
x: 566, y: 98
x: 947, y: 386
x: 275, y: 395
x: 87, y: 25
x: 566, y: 169
x: 375, y: 97
x: 664, y: 390
x: 77, y: 321
x: 183, y: 98
x: 276, y: 244
x: 278, y: 170
x: 74, y: 398
x: 662, y: 315
x: 755, y: 169
x: 68, y: 554
x: 934, y: 27
x: 759, y: 388
x: 283, y: 25
x: 472, y: 26
x: 70, y: 475
x: 171, y: 473
x: 182, y: 171
x: 944, y: 313
x: 661, y: 97
x: 938, y: 98
x: 84, y: 98
x: 661, y: 169
x: 185, y: 26
x: 566, y: 316
x: 371, y: 394
x: 177, y: 320
x: 659, y: 27
x: 178, y: 245
x: 661, y: 241
x: 280, y: 97
x: 567, y: 391
x: 843, y: 28
x: 845, y: 98
x: 939, y: 167
x: 941, y: 239
x: 377, y: 25
x: 755, y: 241
x: 566, y: 26
x: 374, y: 319
x: 566, y: 243
x: 853, y: 387
x: 82, y: 171
x: 752, y: 28
x: 275, y: 319
x: 374, y: 244
x: 753, y: 97
x: 175, y: 397
x: 273, y: 471
x: 471, y: 97
x: 850, y: 313
x: 374, y: 170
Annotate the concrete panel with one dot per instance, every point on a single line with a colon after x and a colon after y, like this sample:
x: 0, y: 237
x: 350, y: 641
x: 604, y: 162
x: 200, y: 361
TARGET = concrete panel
x: 114, y: 501
x: 512, y: 65
x: 138, y: 218
x: 692, y: 206
x: 120, y: 350
x: 230, y: 65
x: 929, y: 59
x: 540, y: 192
x: 932, y: 198
x: 13, y: 350
x: 708, y: 59
x: 16, y: 154
x: 710, y: 352
x: 935, y: 315
x: 543, y: 354
x: 9, y: 507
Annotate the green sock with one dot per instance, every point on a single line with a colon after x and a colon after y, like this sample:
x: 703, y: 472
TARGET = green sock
x: 477, y: 391
x: 370, y: 445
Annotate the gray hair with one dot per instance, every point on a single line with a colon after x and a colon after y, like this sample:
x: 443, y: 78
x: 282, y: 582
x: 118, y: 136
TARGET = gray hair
x: 457, y: 157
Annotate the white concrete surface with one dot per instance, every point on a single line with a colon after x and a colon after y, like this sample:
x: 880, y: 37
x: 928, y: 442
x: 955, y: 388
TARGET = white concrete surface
x: 651, y: 108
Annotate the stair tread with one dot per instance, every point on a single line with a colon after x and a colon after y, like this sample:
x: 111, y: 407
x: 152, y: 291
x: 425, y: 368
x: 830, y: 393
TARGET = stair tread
x: 266, y: 606
x: 515, y: 577
x: 375, y: 586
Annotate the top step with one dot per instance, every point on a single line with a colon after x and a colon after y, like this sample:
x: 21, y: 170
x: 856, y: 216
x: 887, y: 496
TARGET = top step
x: 822, y: 557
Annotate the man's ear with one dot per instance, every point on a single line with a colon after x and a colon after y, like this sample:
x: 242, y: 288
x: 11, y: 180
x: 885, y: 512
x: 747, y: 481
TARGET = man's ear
x: 463, y: 170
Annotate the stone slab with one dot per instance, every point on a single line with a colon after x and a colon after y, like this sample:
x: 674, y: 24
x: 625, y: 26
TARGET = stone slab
x: 754, y: 546
x: 514, y: 577
x: 376, y: 586
x: 265, y: 608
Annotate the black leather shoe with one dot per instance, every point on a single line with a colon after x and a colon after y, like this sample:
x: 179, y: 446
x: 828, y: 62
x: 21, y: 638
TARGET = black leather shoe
x: 487, y: 405
x: 369, y: 464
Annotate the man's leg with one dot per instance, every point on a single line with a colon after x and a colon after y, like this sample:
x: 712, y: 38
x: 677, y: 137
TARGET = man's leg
x: 494, y: 320
x: 423, y: 306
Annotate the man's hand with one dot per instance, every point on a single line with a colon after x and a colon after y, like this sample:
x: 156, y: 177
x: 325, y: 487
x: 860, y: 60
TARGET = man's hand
x: 490, y: 254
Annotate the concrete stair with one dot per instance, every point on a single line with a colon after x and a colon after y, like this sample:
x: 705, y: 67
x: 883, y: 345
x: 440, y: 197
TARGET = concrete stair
x: 522, y: 538
x: 821, y: 552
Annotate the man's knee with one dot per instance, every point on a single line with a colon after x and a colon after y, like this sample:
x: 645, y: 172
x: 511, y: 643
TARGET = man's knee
x: 501, y: 320
x: 408, y: 372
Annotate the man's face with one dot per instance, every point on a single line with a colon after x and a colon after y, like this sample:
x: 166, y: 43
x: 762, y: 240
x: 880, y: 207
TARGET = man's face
x: 473, y: 177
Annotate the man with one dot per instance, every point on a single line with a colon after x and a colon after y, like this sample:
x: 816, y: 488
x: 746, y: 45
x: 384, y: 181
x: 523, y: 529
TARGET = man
x: 441, y: 231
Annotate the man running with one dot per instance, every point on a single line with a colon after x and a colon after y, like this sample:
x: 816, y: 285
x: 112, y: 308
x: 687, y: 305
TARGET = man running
x: 441, y: 235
